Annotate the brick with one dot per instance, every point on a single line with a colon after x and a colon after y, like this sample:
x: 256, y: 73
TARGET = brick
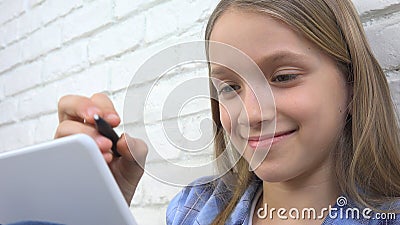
x: 160, y: 22
x: 9, y: 33
x: 10, y: 56
x: 17, y: 135
x: 155, y: 214
x: 158, y: 143
x: 134, y: 102
x: 152, y: 196
x: 177, y: 90
x: 53, y: 9
x: 11, y: 9
x: 393, y: 75
x: 152, y: 135
x: 42, y: 41
x: 383, y: 38
x: 87, y: 82
x: 34, y: 3
x: 394, y: 84
x: 36, y: 102
x: 44, y: 12
x: 29, y: 22
x: 87, y: 19
x: 119, y: 38
x: 2, y: 87
x: 45, y: 128
x: 172, y: 139
x: 141, y: 91
x: 191, y: 12
x: 124, y: 7
x: 66, y: 60
x: 395, y: 90
x: 195, y: 136
x: 364, y: 6
x: 28, y: 76
x: 123, y: 69
x: 2, y: 42
x: 126, y: 68
x: 8, y: 107
x: 93, y: 80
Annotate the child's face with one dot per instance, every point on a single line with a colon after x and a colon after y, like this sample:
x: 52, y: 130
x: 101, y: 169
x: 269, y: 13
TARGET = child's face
x: 311, y: 97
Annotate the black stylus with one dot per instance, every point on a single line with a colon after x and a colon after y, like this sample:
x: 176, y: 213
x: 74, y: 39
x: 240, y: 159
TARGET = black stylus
x: 107, y: 131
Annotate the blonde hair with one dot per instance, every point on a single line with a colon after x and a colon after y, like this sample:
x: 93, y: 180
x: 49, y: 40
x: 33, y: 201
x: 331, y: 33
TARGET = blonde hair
x: 367, y: 156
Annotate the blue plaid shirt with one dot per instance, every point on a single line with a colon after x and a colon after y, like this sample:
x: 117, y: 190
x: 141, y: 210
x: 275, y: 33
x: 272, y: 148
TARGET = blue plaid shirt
x: 200, y: 204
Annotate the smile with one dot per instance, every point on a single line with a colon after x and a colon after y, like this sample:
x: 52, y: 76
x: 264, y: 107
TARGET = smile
x: 267, y: 140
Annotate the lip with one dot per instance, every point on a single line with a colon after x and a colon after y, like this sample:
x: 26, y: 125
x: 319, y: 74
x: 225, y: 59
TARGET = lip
x: 267, y: 140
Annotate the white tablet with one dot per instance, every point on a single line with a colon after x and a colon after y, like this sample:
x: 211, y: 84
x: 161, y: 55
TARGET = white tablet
x: 64, y: 181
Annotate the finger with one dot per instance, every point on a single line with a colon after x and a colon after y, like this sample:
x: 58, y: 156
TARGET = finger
x: 104, y: 103
x: 108, y: 156
x: 77, y: 108
x: 132, y: 149
x: 129, y: 168
x: 69, y: 127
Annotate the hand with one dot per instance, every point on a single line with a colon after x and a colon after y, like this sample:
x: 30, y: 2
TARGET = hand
x: 75, y: 115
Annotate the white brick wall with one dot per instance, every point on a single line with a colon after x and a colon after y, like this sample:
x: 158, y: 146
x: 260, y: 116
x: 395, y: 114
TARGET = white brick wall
x: 49, y: 48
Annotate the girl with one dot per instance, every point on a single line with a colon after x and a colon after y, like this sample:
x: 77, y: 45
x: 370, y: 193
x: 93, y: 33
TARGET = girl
x: 337, y: 134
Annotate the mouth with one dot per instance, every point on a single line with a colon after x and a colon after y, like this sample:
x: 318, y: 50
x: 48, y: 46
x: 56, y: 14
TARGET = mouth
x: 268, y: 140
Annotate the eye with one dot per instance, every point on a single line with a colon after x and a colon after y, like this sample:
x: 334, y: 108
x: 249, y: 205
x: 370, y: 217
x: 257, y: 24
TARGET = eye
x: 284, y: 78
x: 228, y: 88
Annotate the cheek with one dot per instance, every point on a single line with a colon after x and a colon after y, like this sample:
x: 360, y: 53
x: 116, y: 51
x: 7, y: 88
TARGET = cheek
x: 299, y: 105
x: 225, y: 119
x: 320, y: 113
x: 314, y: 108
x: 332, y: 106
x: 229, y: 114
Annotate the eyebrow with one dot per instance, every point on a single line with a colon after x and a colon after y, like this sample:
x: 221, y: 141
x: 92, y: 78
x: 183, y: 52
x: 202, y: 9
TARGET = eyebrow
x: 287, y: 55
x: 219, y: 70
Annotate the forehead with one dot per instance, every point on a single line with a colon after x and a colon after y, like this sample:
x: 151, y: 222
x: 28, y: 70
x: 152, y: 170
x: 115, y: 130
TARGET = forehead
x: 258, y: 35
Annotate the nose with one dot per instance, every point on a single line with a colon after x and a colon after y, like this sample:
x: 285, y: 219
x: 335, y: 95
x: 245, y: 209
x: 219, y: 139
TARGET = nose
x: 257, y: 107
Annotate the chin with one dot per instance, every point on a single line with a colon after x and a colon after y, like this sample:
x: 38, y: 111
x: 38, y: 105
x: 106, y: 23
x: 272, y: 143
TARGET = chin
x: 272, y: 175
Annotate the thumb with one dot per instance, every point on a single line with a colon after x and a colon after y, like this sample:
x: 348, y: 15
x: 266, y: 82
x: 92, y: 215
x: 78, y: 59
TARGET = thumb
x: 132, y: 149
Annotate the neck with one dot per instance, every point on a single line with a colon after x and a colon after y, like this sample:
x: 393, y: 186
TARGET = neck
x: 317, y: 190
